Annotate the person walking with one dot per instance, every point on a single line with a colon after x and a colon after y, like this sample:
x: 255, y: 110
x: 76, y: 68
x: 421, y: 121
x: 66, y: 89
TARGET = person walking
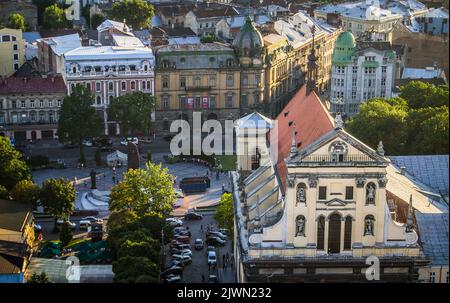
x: 203, y: 278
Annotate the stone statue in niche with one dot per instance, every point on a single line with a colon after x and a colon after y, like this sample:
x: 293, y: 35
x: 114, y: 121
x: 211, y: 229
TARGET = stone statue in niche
x: 301, y: 195
x: 300, y: 224
x: 368, y: 226
x: 370, y: 194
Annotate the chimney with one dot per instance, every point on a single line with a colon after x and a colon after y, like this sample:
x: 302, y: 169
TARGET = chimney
x: 402, y: 170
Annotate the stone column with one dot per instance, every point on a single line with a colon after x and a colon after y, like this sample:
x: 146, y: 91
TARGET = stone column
x: 327, y: 226
x: 342, y: 233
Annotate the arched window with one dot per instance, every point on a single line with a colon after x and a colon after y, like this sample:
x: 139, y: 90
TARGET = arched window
x: 321, y: 233
x: 256, y: 159
x: 301, y: 193
x: 348, y: 233
x: 300, y: 222
x: 369, y: 222
x: 370, y: 193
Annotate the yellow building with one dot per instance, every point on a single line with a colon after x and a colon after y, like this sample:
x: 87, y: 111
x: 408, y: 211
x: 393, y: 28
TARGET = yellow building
x: 12, y: 53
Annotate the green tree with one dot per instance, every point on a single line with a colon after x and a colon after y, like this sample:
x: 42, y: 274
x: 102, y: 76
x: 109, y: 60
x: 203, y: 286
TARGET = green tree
x: 419, y: 94
x: 137, y: 13
x: 58, y: 197
x: 225, y: 213
x: 96, y: 20
x: 16, y: 21
x: 65, y: 235
x: 4, y: 194
x: 149, y: 249
x: 41, y: 6
x: 132, y: 111
x: 383, y: 120
x: 26, y: 191
x: 98, y: 157
x: 144, y: 191
x: 129, y: 269
x: 428, y: 130
x: 54, y: 17
x: 39, y: 278
x: 12, y: 168
x: 78, y: 119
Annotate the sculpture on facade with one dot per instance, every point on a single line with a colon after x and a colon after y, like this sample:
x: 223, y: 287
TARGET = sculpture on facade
x: 368, y: 226
x: 301, y: 193
x: 370, y: 192
x: 300, y: 226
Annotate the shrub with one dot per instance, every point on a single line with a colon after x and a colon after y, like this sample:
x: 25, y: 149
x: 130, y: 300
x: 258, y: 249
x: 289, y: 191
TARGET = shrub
x: 4, y: 193
x: 25, y: 191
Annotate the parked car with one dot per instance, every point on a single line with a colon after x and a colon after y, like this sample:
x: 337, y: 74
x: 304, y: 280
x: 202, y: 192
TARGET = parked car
x: 193, y: 216
x: 174, y: 270
x: 37, y: 228
x: 103, y: 141
x: 182, y: 239
x: 184, y: 259
x: 224, y: 231
x: 178, y: 229
x: 84, y: 224
x: 182, y: 246
x: 198, y: 244
x: 172, y: 279
x: 186, y: 252
x: 186, y: 233
x: 212, y: 258
x: 215, y: 241
x: 92, y: 219
x: 87, y: 142
x: 72, y: 225
x: 125, y: 141
x: 213, y: 279
x: 176, y: 263
x: 174, y: 222
x: 216, y: 234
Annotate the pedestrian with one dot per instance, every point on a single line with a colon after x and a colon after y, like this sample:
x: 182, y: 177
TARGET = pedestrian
x: 224, y: 265
x: 228, y: 256
x: 203, y: 278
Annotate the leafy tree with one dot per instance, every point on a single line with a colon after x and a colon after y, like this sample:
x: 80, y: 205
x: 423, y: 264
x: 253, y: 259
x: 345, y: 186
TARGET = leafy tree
x: 65, y: 235
x: 121, y: 219
x: 96, y: 20
x: 428, y: 130
x: 54, y: 17
x: 149, y: 249
x: 78, y: 119
x: 129, y: 269
x: 26, y: 191
x: 419, y: 94
x: 208, y: 38
x: 98, y: 157
x: 41, y: 6
x: 4, y: 194
x: 146, y: 279
x: 12, y: 168
x: 58, y: 197
x: 148, y: 191
x: 16, y: 21
x: 380, y: 120
x: 132, y: 111
x: 137, y: 13
x: 225, y: 214
x: 39, y: 278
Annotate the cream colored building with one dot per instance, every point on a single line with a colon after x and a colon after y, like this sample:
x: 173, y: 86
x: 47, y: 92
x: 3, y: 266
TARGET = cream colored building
x: 12, y: 52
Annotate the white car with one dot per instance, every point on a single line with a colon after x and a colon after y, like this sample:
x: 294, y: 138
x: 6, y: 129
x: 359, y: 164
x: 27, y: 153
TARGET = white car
x: 186, y: 252
x: 212, y: 258
x: 172, y: 278
x: 125, y: 141
x: 84, y: 224
x: 87, y: 143
x: 92, y: 219
x: 174, y: 222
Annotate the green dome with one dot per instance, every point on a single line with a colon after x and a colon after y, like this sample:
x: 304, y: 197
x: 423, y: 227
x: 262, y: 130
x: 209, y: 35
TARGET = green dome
x: 248, y: 38
x: 344, y: 48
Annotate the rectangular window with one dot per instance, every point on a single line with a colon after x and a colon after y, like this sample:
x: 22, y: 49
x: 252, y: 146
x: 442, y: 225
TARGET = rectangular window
x: 212, y: 81
x: 22, y: 104
x: 32, y: 103
x: 124, y: 85
x: 98, y: 86
x: 165, y: 102
x: 432, y: 277
x: 197, y: 102
x: 322, y: 192
x: 349, y: 193
x: 229, y: 100
x: 59, y: 102
x: 16, y: 57
x: 183, y: 82
x: 182, y: 102
x: 110, y: 86
x: 133, y: 85
x: 88, y: 85
x: 15, y: 47
x: 41, y: 103
x: 244, y: 100
x: 165, y: 82
x: 212, y: 101
x: 50, y: 103
x: 230, y: 80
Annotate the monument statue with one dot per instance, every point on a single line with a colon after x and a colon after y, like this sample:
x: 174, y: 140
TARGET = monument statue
x: 93, y: 179
x: 300, y: 226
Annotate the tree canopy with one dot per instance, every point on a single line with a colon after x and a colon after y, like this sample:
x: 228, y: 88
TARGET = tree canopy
x: 77, y: 117
x: 132, y: 111
x: 16, y: 21
x: 131, y: 269
x: 26, y: 191
x: 225, y: 214
x: 414, y: 123
x: 144, y: 191
x: 54, y: 17
x: 12, y: 168
x: 137, y: 13
x: 58, y: 197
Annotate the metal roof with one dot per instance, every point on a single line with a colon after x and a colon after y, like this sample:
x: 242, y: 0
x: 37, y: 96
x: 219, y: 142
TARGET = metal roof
x: 433, y: 231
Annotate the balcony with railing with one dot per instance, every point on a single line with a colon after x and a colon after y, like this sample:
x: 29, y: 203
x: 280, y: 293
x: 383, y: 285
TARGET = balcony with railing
x: 340, y: 159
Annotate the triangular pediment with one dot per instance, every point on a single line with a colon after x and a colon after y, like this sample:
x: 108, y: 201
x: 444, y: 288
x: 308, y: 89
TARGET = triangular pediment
x: 335, y: 202
x: 323, y: 150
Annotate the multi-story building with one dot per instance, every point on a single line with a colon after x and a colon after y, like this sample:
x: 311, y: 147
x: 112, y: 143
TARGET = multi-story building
x: 361, y: 71
x: 196, y: 77
x: 29, y: 107
x: 51, y: 52
x: 110, y: 71
x: 435, y: 22
x: 108, y: 28
x: 362, y: 17
x: 12, y: 52
x: 203, y: 20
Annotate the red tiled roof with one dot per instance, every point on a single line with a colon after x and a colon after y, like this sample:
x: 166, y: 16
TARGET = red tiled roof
x: 311, y: 120
x: 16, y: 85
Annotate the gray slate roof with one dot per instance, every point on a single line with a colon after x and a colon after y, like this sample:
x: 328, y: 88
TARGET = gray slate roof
x: 433, y: 231
x: 431, y: 170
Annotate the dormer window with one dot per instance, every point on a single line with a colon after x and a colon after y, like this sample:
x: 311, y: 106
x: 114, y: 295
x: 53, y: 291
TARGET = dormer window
x: 74, y: 69
x: 338, y: 151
